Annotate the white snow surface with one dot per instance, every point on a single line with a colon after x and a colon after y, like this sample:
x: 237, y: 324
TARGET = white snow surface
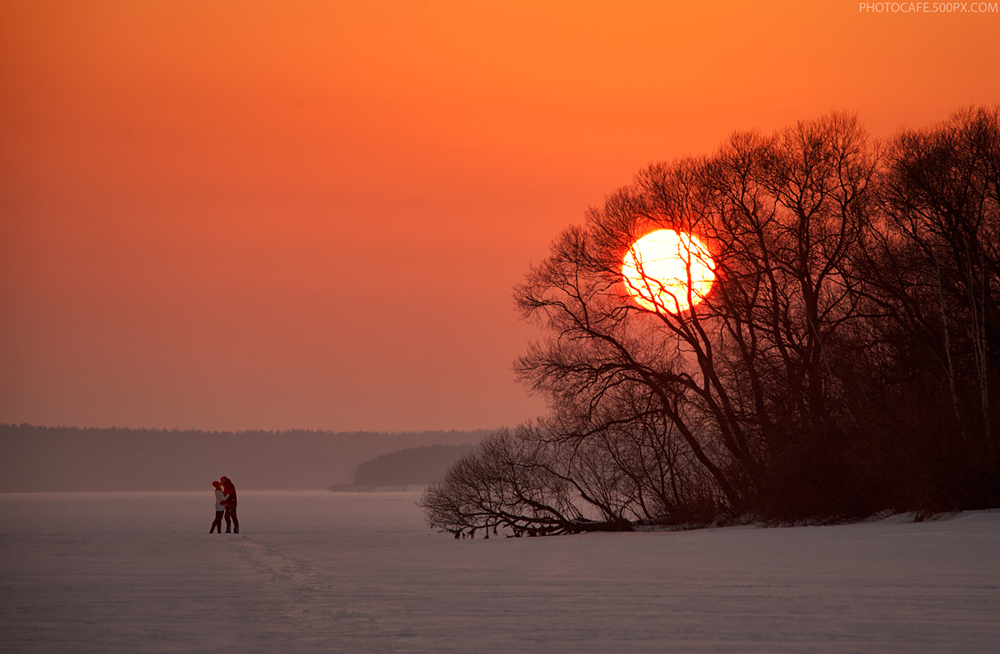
x: 362, y: 572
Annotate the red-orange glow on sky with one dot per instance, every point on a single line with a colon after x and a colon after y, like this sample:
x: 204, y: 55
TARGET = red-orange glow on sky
x: 303, y: 214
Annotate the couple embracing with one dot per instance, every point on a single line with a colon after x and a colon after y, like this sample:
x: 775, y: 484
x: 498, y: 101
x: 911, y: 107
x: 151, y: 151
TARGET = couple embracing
x: 225, y: 506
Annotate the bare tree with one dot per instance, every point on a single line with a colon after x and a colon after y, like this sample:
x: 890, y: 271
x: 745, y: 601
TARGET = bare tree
x: 510, y: 482
x: 790, y: 211
x: 934, y: 277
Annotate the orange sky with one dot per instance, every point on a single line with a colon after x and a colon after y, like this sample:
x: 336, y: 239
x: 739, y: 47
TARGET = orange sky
x: 230, y: 215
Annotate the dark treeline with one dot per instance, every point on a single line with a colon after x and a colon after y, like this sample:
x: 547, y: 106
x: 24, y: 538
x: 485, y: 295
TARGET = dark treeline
x: 61, y: 459
x: 845, y: 363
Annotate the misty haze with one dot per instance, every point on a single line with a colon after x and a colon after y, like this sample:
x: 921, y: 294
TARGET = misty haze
x: 448, y: 326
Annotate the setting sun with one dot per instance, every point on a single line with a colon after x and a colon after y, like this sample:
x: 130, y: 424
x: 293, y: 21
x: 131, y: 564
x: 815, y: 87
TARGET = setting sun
x: 661, y: 266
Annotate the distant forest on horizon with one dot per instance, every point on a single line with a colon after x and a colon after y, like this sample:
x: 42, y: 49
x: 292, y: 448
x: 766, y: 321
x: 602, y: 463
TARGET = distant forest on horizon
x: 63, y: 459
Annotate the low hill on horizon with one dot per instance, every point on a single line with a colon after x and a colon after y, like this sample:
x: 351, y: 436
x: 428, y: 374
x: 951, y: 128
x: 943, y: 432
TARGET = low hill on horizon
x: 63, y: 459
x: 413, y: 466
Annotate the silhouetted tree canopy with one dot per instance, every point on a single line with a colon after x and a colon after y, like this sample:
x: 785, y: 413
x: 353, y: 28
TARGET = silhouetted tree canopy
x: 844, y: 363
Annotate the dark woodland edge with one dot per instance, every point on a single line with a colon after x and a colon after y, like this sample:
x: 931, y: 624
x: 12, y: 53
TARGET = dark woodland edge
x: 845, y: 365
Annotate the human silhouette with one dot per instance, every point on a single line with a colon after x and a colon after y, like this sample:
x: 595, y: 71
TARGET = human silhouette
x: 220, y: 507
x: 230, y: 501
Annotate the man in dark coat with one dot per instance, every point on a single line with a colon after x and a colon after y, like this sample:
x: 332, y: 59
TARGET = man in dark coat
x: 230, y: 490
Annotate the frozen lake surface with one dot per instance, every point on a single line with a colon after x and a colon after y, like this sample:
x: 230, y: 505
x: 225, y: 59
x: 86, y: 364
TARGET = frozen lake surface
x: 352, y: 572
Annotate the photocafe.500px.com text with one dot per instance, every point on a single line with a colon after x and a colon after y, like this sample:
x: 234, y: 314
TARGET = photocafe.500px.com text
x: 929, y: 7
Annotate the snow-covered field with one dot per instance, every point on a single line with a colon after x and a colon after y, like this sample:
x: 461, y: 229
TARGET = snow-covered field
x: 352, y: 572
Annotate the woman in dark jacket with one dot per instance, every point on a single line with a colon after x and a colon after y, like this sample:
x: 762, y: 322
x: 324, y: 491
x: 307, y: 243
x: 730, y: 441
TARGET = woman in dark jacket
x: 220, y: 507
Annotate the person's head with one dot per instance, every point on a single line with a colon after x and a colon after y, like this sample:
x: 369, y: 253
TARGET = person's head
x: 215, y: 484
x: 224, y: 480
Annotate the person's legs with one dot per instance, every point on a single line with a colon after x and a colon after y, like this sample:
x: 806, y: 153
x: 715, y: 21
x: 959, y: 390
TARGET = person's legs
x: 236, y: 522
x: 229, y: 521
x: 217, y: 525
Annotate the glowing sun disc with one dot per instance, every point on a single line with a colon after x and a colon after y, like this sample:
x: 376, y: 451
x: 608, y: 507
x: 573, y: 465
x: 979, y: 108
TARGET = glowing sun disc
x: 662, y: 266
